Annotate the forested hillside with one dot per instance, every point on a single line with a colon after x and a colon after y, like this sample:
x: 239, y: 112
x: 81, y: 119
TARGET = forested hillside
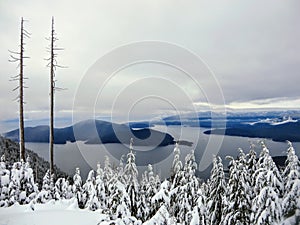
x: 10, y: 150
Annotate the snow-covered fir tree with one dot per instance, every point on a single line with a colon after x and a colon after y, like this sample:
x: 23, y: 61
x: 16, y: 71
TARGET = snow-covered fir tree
x: 161, y: 217
x: 177, y: 164
x: 251, y: 160
x: 177, y: 174
x: 77, y: 188
x: 90, y: 192
x: 291, y: 174
x: 119, y: 201
x: 238, y: 202
x: 4, y: 183
x: 251, y: 167
x: 100, y: 188
x: 184, y: 197
x: 152, y: 187
x: 142, y: 209
x: 199, y: 214
x: 162, y: 197
x: 48, y: 190
x: 120, y: 170
x: 108, y: 172
x: 267, y: 173
x: 132, y: 184
x: 266, y: 208
x: 217, y: 190
x: 62, y: 189
x: 22, y: 187
x: 268, y: 188
x: 144, y: 206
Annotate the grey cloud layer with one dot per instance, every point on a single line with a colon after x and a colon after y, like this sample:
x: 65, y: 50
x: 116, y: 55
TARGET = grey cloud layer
x: 251, y: 46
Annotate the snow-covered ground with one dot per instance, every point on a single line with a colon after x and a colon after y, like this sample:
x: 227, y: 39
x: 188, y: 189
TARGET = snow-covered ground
x: 65, y: 212
x: 60, y: 212
x: 290, y: 221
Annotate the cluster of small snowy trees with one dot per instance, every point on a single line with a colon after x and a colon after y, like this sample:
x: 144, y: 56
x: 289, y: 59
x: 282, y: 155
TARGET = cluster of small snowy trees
x: 255, y: 190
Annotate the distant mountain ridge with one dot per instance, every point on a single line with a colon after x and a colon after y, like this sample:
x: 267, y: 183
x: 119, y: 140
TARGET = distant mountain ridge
x: 94, y: 132
x: 208, y: 119
x: 260, y: 124
x: 276, y: 125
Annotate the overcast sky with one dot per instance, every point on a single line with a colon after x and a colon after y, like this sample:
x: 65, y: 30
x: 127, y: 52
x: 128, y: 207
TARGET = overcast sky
x: 252, y: 48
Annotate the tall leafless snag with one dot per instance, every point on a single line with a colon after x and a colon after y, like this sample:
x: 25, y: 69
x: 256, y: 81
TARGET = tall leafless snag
x: 52, y: 49
x: 19, y: 57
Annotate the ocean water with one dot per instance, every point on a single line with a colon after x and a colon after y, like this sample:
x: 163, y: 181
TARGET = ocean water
x: 72, y: 155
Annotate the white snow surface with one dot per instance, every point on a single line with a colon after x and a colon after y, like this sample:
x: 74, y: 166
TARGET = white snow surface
x: 289, y: 120
x: 5, y: 180
x: 289, y: 221
x: 60, y: 212
x: 275, y: 122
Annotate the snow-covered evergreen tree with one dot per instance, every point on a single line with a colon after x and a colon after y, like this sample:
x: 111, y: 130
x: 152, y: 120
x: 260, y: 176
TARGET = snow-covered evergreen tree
x: 31, y: 188
x: 162, y: 217
x: 291, y: 173
x: 177, y: 164
x: 199, y: 213
x: 62, y: 189
x: 266, y: 207
x: 238, y: 202
x: 100, y: 188
x: 162, y: 197
x: 251, y: 160
x: 152, y: 187
x: 251, y: 167
x: 90, y: 192
x: 77, y: 188
x: 184, y: 197
x: 4, y: 183
x: 268, y: 188
x: 190, y: 166
x: 120, y: 170
x: 217, y: 190
x: 108, y: 172
x: 132, y: 185
x: 119, y: 200
x: 22, y: 187
x: 177, y: 174
x: 14, y: 185
x: 267, y: 173
x: 48, y: 190
x: 143, y: 210
x: 178, y: 179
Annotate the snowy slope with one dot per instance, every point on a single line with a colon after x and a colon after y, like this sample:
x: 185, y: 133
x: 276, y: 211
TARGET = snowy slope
x: 293, y: 220
x: 65, y: 212
x: 54, y: 212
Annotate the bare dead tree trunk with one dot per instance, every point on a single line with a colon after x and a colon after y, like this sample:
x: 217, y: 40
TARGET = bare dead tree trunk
x: 53, y: 65
x: 21, y: 103
x: 19, y: 57
x: 51, y: 134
